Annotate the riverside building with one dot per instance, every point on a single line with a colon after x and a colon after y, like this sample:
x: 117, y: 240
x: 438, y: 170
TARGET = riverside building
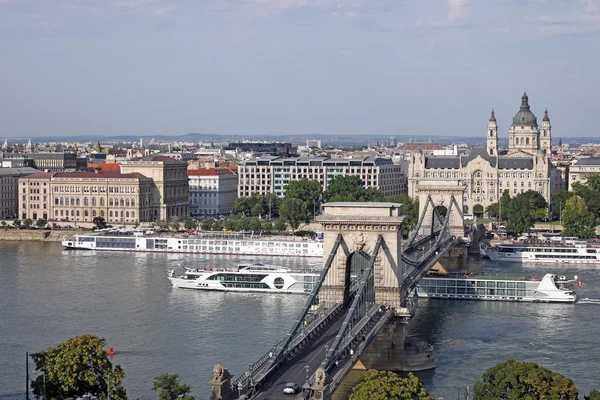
x: 270, y: 174
x: 9, y: 190
x: 488, y: 172
x: 213, y: 191
x: 83, y: 196
x: 170, y: 191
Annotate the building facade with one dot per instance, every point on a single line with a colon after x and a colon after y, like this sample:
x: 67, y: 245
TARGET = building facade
x: 170, y: 194
x: 48, y: 161
x: 212, y: 191
x: 581, y: 169
x: 9, y: 190
x: 270, y: 174
x: 487, y: 173
x: 83, y: 196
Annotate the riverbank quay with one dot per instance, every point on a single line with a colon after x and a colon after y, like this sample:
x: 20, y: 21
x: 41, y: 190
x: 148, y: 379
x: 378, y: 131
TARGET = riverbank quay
x: 35, y: 235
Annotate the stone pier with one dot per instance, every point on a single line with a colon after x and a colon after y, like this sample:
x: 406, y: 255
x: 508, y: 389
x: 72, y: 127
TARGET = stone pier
x: 392, y: 350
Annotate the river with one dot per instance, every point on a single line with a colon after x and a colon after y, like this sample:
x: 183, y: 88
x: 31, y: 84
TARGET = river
x: 48, y: 294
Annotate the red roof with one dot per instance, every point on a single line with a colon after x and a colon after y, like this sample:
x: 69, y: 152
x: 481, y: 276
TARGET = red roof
x: 107, y: 167
x: 99, y: 175
x: 210, y: 172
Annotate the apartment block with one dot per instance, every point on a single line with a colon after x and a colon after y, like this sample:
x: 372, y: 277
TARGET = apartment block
x: 269, y: 174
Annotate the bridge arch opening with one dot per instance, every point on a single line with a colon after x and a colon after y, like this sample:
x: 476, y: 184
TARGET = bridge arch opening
x: 478, y: 210
x: 356, y: 263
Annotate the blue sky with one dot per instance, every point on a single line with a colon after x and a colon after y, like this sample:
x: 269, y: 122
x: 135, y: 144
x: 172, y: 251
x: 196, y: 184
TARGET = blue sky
x: 428, y: 67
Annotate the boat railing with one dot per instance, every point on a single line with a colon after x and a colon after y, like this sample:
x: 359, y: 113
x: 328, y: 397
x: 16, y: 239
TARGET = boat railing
x: 213, y: 236
x: 484, y: 276
x: 547, y: 243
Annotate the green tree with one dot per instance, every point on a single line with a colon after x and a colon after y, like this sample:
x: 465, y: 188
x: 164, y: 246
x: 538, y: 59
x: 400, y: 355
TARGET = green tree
x: 386, y: 385
x: 577, y: 220
x: 175, y: 224
x: 293, y: 211
x: 27, y: 223
x: 523, y: 380
x: 307, y: 190
x: 589, y: 194
x: 207, y: 224
x: 75, y: 367
x: 190, y: 224
x: 518, y: 214
x: 241, y: 206
x: 535, y: 199
x: 594, y: 395
x: 279, y: 225
x: 40, y: 223
x: 99, y: 222
x: 559, y: 200
x: 266, y: 226
x: 349, y: 188
x: 492, y: 210
x: 170, y: 388
x: 254, y: 224
x: 410, y: 210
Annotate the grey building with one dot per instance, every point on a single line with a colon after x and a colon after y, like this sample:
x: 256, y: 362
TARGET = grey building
x: 48, y: 161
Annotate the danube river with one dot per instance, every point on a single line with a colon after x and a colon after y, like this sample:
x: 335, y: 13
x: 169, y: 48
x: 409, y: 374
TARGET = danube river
x: 48, y: 294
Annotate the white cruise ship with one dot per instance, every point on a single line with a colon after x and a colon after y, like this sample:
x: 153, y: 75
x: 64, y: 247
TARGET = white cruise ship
x: 257, y: 278
x: 550, y: 289
x: 213, y: 243
x: 576, y: 252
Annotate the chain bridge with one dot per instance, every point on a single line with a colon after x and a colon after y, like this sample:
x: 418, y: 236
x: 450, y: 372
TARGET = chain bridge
x: 355, y: 313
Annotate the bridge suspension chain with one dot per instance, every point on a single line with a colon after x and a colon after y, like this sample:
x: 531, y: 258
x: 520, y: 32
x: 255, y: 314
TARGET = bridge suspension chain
x: 362, y: 303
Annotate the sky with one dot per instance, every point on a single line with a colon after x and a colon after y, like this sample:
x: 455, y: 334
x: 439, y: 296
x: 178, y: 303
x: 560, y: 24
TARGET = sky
x: 286, y: 67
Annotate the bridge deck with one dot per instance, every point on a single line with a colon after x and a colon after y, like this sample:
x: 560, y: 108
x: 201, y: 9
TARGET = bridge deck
x: 295, y: 371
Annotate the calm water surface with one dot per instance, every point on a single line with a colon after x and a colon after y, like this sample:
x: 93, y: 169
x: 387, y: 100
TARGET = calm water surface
x: 48, y: 294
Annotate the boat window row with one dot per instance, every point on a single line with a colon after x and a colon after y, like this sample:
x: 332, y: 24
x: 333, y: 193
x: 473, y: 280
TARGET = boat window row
x: 236, y: 278
x: 553, y: 250
x: 475, y: 283
x: 569, y: 257
x: 474, y: 291
x: 242, y: 243
x: 256, y: 285
x: 115, y: 243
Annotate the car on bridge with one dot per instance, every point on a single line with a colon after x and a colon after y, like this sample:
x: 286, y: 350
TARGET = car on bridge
x: 291, y: 388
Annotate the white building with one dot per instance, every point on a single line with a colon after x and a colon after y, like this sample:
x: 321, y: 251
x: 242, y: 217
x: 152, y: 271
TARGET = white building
x: 271, y: 174
x: 486, y: 173
x: 212, y: 191
x: 581, y: 169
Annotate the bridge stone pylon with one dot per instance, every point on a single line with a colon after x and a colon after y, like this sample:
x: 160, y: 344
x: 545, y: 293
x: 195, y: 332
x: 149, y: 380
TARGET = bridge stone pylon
x: 360, y: 225
x: 446, y: 193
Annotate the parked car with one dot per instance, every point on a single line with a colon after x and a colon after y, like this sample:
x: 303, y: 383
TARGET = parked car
x: 291, y: 388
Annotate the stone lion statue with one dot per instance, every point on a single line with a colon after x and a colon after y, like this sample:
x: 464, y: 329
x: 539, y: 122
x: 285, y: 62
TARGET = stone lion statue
x: 219, y: 371
x: 320, y: 377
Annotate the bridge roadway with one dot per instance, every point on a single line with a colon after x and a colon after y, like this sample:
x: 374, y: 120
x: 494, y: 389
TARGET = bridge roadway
x: 312, y: 357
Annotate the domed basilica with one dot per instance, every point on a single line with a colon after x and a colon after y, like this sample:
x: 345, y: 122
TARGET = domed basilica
x: 488, y: 172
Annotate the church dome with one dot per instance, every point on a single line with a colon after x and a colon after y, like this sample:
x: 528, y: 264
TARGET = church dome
x: 524, y: 117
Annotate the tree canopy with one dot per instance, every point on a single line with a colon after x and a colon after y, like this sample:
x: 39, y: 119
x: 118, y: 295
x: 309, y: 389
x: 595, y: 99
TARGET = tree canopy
x: 350, y: 188
x: 75, y: 367
x: 386, y: 385
x: 170, y: 389
x: 590, y: 193
x: 257, y: 205
x: 409, y: 208
x: 307, y: 190
x: 559, y: 201
x: 577, y: 220
x: 293, y: 211
x: 523, y: 380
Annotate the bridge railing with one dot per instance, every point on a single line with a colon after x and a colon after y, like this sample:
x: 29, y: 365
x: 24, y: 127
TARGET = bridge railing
x: 341, y: 374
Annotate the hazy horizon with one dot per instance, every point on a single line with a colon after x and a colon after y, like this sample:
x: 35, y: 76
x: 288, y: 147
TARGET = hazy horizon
x: 295, y: 67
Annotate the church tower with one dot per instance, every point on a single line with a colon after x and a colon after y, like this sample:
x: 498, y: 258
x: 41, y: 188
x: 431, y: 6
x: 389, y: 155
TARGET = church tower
x: 546, y: 134
x: 492, y: 136
x: 5, y: 145
x: 524, y: 135
x: 29, y: 147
